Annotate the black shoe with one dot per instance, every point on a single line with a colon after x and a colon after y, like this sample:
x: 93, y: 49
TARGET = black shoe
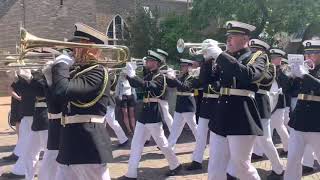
x: 256, y: 157
x: 174, y: 171
x: 123, y: 144
x: 10, y: 175
x: 274, y: 176
x: 194, y: 166
x: 126, y: 178
x: 307, y: 169
x: 11, y: 157
x: 229, y: 177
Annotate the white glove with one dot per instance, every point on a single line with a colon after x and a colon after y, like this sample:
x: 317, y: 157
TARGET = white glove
x: 299, y: 71
x: 131, y: 69
x: 212, y: 52
x: 195, y: 72
x: 171, y: 73
x: 280, y: 91
x: 64, y: 59
x: 47, y: 72
x: 25, y: 74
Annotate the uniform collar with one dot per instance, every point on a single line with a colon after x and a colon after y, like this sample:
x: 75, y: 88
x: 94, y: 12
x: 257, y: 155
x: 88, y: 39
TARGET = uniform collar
x: 240, y: 52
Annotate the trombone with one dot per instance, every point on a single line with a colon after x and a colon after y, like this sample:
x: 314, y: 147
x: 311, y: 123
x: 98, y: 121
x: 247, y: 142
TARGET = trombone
x: 29, y: 42
x: 194, y: 48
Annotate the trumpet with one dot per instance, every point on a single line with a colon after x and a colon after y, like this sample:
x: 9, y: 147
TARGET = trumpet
x: 194, y: 48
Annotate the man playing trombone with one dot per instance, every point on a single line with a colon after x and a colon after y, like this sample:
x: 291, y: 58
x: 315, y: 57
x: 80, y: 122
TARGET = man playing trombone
x: 85, y: 147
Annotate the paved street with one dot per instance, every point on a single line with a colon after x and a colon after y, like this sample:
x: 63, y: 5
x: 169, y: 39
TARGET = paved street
x: 152, y: 166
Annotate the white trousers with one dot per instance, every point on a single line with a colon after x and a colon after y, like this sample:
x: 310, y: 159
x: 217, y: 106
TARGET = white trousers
x: 83, y: 172
x: 308, y: 156
x: 24, y: 131
x: 180, y: 119
x: 297, y: 143
x: 201, y: 140
x: 137, y: 145
x: 111, y: 120
x: 37, y: 142
x: 278, y: 119
x: 49, y: 165
x: 266, y: 144
x: 231, y: 149
x: 166, y: 114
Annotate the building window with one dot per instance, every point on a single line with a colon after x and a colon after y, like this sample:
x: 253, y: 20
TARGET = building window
x: 61, y: 2
x: 117, y: 29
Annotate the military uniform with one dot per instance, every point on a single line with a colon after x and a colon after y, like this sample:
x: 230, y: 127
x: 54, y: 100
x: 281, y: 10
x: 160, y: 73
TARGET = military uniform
x: 280, y: 113
x: 263, y: 102
x: 28, y: 98
x: 153, y: 85
x: 37, y: 140
x: 84, y: 146
x: 304, y: 121
x: 185, y: 105
x: 237, y: 121
x: 211, y: 87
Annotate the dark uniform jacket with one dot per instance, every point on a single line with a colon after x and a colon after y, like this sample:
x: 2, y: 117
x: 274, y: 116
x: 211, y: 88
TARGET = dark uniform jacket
x: 40, y: 117
x: 263, y: 100
x: 153, y: 86
x: 210, y: 85
x: 305, y: 116
x: 82, y: 143
x: 28, y: 98
x: 15, y: 112
x: 283, y: 82
x: 238, y: 115
x: 184, y: 84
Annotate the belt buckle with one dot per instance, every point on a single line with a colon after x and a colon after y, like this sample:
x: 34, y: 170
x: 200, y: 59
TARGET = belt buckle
x: 63, y: 121
x: 226, y: 91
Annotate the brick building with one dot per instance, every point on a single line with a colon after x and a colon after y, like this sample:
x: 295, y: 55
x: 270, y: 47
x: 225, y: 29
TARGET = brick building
x: 54, y: 19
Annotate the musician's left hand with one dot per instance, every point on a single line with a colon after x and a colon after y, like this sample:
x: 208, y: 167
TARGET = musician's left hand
x: 64, y: 59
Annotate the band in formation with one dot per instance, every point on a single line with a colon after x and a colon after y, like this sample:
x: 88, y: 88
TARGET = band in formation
x: 238, y: 96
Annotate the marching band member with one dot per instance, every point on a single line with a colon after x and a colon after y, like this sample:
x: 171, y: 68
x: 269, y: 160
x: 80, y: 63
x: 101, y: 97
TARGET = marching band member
x: 15, y: 114
x: 28, y: 99
x: 154, y: 85
x: 263, y: 103
x: 85, y: 146
x: 233, y: 134
x: 281, y: 112
x: 210, y: 86
x: 38, y: 137
x: 185, y: 103
x: 304, y: 121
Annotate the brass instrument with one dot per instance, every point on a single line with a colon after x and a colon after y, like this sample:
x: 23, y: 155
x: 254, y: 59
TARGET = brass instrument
x: 30, y: 59
x: 194, y: 48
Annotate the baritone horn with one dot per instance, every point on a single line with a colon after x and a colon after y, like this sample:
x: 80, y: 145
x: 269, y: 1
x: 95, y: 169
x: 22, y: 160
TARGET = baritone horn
x: 194, y: 48
x: 28, y: 42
